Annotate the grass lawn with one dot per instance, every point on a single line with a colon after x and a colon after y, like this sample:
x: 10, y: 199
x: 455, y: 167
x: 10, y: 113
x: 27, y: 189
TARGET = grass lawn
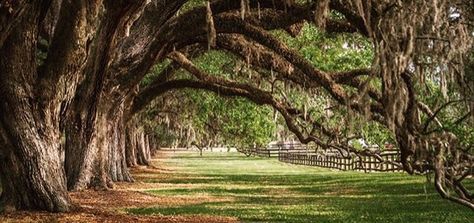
x: 265, y: 190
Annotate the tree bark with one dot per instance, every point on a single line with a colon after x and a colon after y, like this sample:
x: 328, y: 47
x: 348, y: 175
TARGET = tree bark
x: 118, y: 170
x: 89, y: 130
x: 130, y: 150
x: 142, y: 149
x: 30, y: 139
x: 31, y: 170
x: 10, y: 15
x: 33, y: 100
x: 86, y: 157
x: 102, y: 160
x: 148, y: 148
x: 101, y: 157
x: 138, y: 148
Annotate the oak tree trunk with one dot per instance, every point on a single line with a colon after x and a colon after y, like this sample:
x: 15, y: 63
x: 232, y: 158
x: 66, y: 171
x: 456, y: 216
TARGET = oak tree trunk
x: 88, y: 127
x: 138, y: 149
x: 142, y: 149
x: 130, y: 147
x: 86, y: 156
x: 31, y: 167
x: 118, y: 170
x: 31, y: 170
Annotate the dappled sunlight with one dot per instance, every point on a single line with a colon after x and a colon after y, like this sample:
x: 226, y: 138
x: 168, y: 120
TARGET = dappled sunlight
x: 260, y: 189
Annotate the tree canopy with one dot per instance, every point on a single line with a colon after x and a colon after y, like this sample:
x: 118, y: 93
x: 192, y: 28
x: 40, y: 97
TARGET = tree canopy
x: 334, y: 70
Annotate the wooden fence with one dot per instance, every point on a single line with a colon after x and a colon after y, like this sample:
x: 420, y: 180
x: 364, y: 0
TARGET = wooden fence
x: 297, y: 153
x: 389, y: 161
x: 275, y: 149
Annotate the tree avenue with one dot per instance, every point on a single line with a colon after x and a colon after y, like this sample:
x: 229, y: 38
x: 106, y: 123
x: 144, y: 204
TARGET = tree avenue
x: 72, y: 95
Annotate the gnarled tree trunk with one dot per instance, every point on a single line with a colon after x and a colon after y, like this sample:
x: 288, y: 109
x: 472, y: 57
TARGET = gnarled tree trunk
x: 31, y: 168
x: 33, y: 100
x: 130, y: 147
x: 89, y: 129
x: 98, y: 162
x: 118, y: 170
x: 86, y: 161
x: 138, y: 150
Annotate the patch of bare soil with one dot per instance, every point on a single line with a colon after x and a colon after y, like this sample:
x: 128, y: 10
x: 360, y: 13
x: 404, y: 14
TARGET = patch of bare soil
x: 92, y: 215
x: 107, y: 206
x: 120, y: 199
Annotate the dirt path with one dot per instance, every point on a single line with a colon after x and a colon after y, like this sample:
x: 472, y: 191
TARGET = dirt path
x: 109, y: 206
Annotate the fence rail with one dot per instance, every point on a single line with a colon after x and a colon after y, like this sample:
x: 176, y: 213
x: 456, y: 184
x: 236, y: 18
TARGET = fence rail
x: 297, y: 153
x: 275, y: 149
x: 389, y: 161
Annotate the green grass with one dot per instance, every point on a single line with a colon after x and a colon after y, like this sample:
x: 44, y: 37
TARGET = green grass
x: 265, y: 190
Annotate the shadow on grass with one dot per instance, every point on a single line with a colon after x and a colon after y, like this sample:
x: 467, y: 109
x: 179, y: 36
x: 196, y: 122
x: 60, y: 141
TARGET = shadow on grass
x: 263, y: 190
x: 319, y: 210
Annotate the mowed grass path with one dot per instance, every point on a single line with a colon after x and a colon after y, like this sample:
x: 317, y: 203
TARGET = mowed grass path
x: 265, y: 190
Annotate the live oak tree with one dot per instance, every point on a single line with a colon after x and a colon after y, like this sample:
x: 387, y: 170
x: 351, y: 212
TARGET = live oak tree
x: 34, y: 95
x: 80, y: 39
x: 411, y: 42
x: 72, y: 69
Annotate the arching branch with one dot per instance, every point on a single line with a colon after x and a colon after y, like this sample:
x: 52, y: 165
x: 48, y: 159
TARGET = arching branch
x: 231, y: 88
x: 170, y: 35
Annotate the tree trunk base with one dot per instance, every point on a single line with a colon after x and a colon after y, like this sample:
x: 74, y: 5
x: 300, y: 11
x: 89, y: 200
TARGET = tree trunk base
x: 56, y: 203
